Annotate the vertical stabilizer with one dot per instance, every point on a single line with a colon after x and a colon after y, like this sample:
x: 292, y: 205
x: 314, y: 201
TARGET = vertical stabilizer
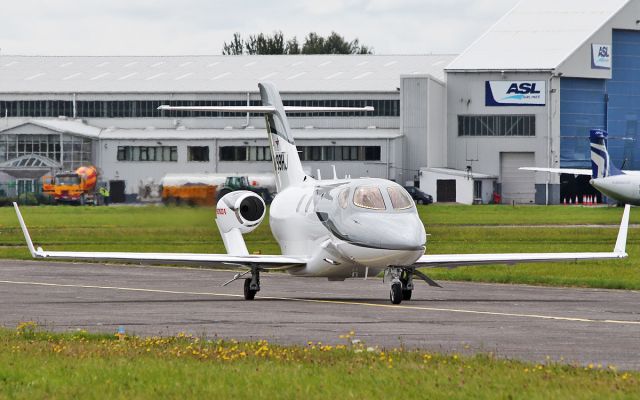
x: 601, y: 164
x: 286, y: 162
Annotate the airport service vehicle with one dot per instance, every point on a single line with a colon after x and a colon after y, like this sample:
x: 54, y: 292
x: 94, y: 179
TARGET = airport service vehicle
x: 418, y: 195
x: 333, y: 229
x: 234, y: 183
x: 623, y: 186
x: 77, y: 186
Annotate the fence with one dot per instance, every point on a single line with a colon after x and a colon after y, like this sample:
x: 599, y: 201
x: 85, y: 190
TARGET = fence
x: 23, y: 191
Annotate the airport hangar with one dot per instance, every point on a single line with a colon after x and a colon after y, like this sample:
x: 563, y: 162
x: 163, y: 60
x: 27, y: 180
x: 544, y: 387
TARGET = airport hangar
x: 526, y: 93
x: 63, y: 112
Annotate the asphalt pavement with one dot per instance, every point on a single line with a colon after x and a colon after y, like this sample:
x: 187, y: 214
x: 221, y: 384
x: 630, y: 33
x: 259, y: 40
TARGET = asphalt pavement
x: 521, y: 322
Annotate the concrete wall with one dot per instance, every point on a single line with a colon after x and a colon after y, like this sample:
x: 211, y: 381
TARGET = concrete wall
x: 133, y: 172
x: 423, y: 123
x: 466, y: 96
x: 464, y: 186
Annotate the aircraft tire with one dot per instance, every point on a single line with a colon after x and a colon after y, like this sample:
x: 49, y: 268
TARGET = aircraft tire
x: 395, y: 294
x: 248, y: 293
x: 406, y: 294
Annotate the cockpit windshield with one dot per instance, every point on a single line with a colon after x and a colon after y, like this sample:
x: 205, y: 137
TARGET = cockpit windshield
x: 400, y: 200
x: 369, y: 197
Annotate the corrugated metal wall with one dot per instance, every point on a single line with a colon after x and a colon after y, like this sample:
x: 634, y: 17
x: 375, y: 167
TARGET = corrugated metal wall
x: 624, y: 100
x: 606, y: 104
x: 582, y: 108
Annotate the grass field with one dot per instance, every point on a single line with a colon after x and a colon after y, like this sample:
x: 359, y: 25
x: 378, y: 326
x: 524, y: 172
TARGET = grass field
x: 37, y: 364
x: 453, y: 229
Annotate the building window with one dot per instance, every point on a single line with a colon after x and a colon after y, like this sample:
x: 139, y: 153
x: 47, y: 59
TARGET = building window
x: 496, y: 125
x: 372, y: 153
x: 198, y: 153
x: 233, y: 153
x: 149, y: 108
x: 148, y: 153
x: 339, y: 153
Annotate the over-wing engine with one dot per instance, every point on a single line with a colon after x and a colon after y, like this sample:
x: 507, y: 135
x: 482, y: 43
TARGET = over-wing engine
x: 238, y: 212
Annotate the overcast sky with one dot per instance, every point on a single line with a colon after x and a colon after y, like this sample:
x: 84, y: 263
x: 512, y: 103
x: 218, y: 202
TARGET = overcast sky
x: 177, y: 27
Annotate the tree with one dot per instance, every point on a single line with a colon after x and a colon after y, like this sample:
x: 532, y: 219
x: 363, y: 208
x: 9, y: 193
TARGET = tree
x: 276, y: 44
x: 235, y: 47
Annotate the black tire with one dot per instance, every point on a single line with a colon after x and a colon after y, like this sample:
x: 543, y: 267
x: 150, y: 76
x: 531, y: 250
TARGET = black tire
x: 248, y: 293
x: 420, y: 201
x: 223, y: 192
x: 406, y: 294
x: 395, y: 295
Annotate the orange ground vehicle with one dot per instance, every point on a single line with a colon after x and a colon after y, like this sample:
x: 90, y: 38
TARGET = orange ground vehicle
x: 191, y: 194
x: 77, y: 186
x: 48, y: 185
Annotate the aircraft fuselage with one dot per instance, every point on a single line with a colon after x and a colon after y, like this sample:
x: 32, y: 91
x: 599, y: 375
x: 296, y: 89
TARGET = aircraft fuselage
x: 343, y: 239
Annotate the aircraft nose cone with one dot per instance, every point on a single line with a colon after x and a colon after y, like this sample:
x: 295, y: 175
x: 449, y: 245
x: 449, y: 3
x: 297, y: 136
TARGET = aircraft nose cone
x: 387, y: 231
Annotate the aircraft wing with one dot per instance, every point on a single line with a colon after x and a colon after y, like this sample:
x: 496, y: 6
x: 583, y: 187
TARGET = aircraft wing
x: 568, y: 171
x: 464, y: 260
x: 222, y: 261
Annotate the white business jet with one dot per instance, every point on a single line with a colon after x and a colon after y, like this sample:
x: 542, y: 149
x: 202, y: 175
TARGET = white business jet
x: 335, y: 229
x: 623, y: 186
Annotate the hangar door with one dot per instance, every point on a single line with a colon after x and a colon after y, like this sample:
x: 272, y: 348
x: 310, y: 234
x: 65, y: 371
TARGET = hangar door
x: 517, y: 185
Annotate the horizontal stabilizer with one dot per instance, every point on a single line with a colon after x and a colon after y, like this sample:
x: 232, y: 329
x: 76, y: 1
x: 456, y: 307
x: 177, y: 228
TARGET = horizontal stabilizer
x: 263, y: 109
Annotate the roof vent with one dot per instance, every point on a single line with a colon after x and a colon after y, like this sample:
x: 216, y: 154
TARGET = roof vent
x: 181, y: 128
x: 228, y: 128
x: 308, y: 127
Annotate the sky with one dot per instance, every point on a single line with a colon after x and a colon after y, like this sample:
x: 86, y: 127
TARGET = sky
x: 195, y: 27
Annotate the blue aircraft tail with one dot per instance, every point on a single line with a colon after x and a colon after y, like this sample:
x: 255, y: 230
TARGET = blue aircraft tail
x: 601, y: 164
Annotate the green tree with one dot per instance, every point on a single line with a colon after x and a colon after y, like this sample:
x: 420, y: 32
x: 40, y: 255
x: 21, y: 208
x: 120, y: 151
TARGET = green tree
x: 235, y: 47
x: 276, y: 44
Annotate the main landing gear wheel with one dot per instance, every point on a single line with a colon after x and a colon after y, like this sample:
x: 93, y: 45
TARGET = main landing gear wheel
x: 396, y: 294
x: 252, y: 285
x: 249, y: 294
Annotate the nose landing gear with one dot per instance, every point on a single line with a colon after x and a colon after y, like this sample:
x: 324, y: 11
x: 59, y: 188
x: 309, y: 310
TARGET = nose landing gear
x: 402, y: 282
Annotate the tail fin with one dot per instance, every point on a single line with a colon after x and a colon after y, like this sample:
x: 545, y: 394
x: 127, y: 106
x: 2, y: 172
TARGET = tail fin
x: 286, y: 162
x: 601, y: 164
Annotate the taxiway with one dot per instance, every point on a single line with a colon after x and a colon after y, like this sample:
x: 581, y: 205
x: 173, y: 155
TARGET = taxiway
x: 522, y: 322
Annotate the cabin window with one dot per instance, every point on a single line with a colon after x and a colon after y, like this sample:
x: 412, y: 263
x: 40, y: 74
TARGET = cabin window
x: 343, y: 198
x: 369, y: 197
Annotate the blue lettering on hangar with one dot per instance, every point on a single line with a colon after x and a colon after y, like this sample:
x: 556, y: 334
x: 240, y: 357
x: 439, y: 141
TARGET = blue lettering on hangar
x: 613, y: 105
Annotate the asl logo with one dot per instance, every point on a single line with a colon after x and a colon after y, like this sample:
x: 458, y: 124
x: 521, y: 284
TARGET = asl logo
x: 601, y: 56
x: 515, y: 93
x: 281, y: 161
x: 603, y: 52
x: 221, y: 211
x: 523, y: 88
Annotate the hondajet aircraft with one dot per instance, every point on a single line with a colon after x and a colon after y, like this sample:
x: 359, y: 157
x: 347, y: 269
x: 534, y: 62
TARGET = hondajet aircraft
x: 335, y: 229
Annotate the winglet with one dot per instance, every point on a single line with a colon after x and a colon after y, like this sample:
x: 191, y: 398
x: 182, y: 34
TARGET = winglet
x: 621, y: 243
x: 27, y: 237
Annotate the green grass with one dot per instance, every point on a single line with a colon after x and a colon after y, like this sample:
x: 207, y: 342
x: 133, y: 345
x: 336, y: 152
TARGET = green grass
x: 453, y: 229
x: 37, y: 364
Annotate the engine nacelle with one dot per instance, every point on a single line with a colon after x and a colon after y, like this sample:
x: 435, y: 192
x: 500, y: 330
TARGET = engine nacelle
x: 238, y: 212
